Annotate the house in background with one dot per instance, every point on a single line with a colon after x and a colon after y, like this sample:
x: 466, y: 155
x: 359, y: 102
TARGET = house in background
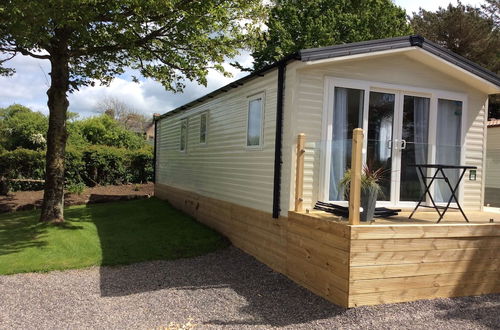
x: 228, y: 159
x: 492, y: 193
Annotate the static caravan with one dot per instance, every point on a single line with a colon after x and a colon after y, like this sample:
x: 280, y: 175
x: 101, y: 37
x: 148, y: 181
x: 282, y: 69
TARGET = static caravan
x: 229, y: 160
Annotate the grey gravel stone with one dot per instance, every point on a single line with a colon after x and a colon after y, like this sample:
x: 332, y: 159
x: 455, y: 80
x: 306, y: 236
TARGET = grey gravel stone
x: 226, y: 289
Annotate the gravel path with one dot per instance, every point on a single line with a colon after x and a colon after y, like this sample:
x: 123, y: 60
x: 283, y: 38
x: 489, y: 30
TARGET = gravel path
x: 224, y: 289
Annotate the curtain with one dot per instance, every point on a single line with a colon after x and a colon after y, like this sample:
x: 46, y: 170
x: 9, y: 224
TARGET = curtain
x: 339, y: 143
x: 449, y: 128
x: 420, y: 132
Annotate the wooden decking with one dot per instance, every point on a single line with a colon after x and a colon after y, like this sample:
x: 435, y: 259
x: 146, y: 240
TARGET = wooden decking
x: 396, y: 260
x: 366, y: 264
x: 427, y: 217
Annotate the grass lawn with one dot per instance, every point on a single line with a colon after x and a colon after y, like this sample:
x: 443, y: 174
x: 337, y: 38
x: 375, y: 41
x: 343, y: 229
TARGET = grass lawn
x: 102, y: 234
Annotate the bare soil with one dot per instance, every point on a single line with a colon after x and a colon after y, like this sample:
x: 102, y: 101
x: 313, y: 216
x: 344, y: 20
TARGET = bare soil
x: 29, y: 200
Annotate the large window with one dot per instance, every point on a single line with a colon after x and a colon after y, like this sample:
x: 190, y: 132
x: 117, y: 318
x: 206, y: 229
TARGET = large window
x: 347, y: 115
x: 448, y: 144
x: 254, y: 124
x: 183, y: 135
x: 203, y: 127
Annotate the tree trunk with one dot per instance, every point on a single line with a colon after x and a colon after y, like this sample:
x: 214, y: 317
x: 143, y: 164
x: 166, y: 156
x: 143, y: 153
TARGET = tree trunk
x: 53, y: 196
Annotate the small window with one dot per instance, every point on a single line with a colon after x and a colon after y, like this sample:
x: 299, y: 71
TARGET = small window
x: 183, y: 138
x: 254, y: 125
x: 203, y: 128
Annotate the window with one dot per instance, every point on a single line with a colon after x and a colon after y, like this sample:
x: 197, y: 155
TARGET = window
x: 203, y: 128
x: 254, y: 124
x: 183, y: 138
x: 347, y: 115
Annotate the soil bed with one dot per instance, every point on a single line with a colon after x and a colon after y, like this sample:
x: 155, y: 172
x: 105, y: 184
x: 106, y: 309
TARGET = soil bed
x: 29, y: 200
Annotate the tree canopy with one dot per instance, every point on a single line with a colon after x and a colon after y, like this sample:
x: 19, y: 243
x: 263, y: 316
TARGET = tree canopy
x: 89, y: 41
x: 295, y: 24
x: 466, y: 30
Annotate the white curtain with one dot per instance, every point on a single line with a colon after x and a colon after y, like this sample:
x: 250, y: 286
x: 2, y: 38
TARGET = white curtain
x: 339, y: 143
x: 420, y: 132
x: 384, y: 136
x: 449, y: 129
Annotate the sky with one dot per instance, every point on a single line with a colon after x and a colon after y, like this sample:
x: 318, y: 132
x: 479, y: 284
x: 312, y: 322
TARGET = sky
x: 29, y: 84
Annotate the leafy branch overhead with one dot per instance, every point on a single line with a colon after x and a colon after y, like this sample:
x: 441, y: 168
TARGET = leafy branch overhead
x: 169, y: 40
x: 298, y: 24
x: 94, y: 40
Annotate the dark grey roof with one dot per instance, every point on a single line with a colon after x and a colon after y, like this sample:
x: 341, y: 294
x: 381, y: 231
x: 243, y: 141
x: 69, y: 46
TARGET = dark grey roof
x: 370, y: 46
x: 363, y: 47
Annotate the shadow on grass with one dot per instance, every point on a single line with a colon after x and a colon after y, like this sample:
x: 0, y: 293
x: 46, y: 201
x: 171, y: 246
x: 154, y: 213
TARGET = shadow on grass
x: 19, y: 231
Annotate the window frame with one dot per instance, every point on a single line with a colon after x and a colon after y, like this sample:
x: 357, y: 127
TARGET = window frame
x: 259, y: 96
x: 182, y: 121
x: 205, y: 113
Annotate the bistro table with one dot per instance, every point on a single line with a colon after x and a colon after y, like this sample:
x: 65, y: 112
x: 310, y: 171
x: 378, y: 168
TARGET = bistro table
x: 440, y: 169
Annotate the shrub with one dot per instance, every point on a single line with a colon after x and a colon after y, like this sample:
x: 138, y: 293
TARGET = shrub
x: 25, y: 185
x: 22, y: 164
x: 105, y: 165
x: 141, y: 165
x: 74, y: 166
x: 76, y: 188
x: 96, y: 165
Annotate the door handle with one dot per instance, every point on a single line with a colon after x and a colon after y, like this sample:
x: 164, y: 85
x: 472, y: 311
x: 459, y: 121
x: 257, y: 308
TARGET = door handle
x: 389, y: 144
x: 403, y: 144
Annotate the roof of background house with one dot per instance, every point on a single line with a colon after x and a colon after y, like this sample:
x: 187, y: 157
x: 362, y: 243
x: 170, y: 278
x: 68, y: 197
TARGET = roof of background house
x: 355, y: 48
x: 494, y: 123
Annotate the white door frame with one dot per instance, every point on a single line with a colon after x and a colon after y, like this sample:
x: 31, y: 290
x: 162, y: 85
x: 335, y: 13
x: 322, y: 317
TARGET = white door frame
x: 399, y: 90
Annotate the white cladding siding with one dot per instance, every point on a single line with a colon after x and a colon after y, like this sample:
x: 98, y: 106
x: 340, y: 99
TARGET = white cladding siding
x: 396, y: 69
x: 493, y: 158
x: 224, y: 168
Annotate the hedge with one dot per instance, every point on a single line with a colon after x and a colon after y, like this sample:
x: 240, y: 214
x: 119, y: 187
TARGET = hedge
x: 96, y: 165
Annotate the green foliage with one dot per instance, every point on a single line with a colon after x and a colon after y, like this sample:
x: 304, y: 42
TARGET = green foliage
x: 297, y: 24
x: 168, y: 40
x: 465, y: 30
x: 95, y: 165
x: 22, y: 128
x: 100, y: 151
x: 110, y: 165
x: 76, y: 188
x: 22, y: 164
x: 102, y: 234
x: 141, y: 165
x: 105, y: 130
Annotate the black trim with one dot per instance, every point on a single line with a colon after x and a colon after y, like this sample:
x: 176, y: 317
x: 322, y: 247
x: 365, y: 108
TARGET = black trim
x: 278, y: 141
x: 234, y: 84
x: 154, y: 152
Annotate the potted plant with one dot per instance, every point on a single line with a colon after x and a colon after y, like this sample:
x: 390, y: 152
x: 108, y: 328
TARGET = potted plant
x: 370, y: 189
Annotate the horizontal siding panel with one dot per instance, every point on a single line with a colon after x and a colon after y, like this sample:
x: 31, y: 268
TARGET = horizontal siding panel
x: 223, y: 168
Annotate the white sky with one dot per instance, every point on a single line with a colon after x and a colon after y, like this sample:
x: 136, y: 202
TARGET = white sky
x: 29, y: 85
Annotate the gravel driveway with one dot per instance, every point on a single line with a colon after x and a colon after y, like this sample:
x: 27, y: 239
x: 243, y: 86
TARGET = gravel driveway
x: 224, y: 289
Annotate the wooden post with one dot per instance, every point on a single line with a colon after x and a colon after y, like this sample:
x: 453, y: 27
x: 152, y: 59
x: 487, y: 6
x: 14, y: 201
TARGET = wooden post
x: 299, y: 172
x: 355, y: 189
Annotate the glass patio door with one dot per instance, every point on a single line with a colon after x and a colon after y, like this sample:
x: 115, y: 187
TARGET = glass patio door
x: 398, y: 134
x: 402, y: 128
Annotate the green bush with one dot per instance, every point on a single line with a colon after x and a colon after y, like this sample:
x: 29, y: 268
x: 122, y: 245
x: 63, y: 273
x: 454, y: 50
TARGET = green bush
x: 96, y: 165
x: 74, y: 166
x: 141, y: 165
x: 76, y: 188
x: 22, y: 164
x: 25, y: 185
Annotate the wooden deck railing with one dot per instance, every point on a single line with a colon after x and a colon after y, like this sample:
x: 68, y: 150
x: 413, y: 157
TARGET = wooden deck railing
x: 356, y: 167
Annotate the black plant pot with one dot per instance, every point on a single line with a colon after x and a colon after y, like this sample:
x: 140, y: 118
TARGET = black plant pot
x: 368, y: 202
